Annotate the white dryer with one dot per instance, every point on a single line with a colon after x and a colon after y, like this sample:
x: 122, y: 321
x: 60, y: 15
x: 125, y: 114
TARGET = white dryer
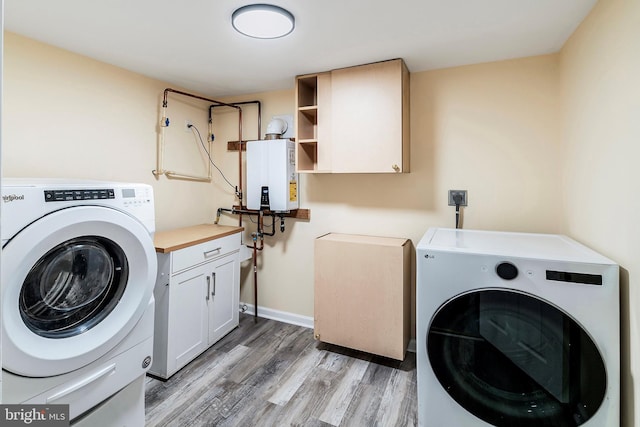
x: 78, y: 270
x: 515, y: 329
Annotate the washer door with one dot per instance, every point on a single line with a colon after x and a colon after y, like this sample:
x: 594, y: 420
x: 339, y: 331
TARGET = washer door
x: 512, y: 359
x: 74, y: 284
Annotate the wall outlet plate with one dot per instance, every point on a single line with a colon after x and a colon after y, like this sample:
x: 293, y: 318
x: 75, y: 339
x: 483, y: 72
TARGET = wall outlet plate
x: 462, y: 193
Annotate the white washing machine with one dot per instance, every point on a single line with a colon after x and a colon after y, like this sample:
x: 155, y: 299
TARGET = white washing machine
x: 78, y: 270
x: 515, y: 329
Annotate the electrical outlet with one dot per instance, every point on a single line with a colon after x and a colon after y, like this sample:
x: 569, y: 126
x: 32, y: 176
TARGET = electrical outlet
x: 462, y: 193
x: 187, y: 125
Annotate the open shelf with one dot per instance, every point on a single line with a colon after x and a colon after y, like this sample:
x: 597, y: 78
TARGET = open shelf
x: 307, y: 156
x: 308, y: 91
x: 313, y: 108
x: 307, y: 122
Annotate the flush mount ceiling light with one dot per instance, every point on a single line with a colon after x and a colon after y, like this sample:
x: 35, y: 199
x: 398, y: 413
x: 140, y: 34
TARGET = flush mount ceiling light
x: 263, y: 21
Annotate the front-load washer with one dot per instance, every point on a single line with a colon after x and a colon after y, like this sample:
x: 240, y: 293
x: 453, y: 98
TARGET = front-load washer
x: 78, y: 270
x: 515, y: 330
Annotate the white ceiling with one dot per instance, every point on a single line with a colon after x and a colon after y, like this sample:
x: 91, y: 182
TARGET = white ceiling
x: 190, y: 43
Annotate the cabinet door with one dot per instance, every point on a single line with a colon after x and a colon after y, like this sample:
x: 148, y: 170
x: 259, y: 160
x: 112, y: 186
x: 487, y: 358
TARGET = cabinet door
x: 224, y: 297
x: 369, y: 120
x: 187, y: 331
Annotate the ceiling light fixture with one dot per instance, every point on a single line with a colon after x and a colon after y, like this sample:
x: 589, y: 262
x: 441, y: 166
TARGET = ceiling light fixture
x: 263, y: 21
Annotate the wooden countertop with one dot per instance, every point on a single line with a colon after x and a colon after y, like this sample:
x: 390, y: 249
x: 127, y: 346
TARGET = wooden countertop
x: 172, y: 240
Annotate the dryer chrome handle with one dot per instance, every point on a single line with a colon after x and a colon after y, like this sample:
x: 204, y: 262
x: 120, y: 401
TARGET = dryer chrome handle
x: 82, y: 383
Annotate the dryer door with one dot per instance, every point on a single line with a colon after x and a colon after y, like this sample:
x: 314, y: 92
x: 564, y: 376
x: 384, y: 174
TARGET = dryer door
x: 74, y: 284
x: 512, y: 359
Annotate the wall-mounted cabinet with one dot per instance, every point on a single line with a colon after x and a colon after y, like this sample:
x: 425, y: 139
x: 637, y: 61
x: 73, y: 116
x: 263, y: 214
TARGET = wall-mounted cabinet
x: 354, y: 120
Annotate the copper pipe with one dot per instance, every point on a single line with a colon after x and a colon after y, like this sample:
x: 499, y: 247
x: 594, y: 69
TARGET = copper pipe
x: 160, y: 154
x: 259, y: 112
x: 255, y: 280
x: 244, y: 103
x: 167, y: 90
x: 240, y: 194
x: 255, y: 272
x: 239, y: 191
x: 176, y: 175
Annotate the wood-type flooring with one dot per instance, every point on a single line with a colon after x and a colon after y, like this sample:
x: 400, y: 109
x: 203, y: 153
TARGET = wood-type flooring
x: 276, y: 374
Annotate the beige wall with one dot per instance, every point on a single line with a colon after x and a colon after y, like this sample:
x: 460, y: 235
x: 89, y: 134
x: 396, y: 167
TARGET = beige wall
x: 600, y: 78
x: 544, y: 144
x: 69, y: 116
x: 492, y: 129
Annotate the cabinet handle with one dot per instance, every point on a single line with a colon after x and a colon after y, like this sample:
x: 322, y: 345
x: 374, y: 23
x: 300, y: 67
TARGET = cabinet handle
x: 396, y: 168
x: 213, y: 294
x: 208, y: 286
x: 207, y: 254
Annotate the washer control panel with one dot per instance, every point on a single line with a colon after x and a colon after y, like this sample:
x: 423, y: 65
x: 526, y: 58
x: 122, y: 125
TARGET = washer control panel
x: 136, y: 200
x: 71, y: 195
x: 129, y: 196
x: 133, y: 197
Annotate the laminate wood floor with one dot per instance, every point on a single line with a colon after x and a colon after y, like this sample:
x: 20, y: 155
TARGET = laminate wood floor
x: 276, y: 374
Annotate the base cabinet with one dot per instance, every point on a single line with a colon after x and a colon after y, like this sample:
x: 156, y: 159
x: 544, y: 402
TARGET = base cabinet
x: 196, y: 305
x: 362, y: 293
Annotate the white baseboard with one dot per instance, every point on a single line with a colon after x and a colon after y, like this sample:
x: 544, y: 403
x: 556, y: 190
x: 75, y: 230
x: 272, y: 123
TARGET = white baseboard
x: 281, y: 316
x: 294, y: 319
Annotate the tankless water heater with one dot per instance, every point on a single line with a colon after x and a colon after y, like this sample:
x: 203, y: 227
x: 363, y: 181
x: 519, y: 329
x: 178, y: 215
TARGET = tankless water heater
x: 272, y: 181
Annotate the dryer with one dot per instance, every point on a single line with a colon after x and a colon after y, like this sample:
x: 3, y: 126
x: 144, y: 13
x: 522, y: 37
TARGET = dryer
x: 515, y: 330
x: 78, y: 270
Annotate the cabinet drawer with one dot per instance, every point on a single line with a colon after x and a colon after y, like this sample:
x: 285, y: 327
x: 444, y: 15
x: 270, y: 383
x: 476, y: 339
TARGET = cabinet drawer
x: 207, y: 251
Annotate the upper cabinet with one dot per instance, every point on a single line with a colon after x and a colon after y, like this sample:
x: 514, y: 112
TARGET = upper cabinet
x: 354, y: 120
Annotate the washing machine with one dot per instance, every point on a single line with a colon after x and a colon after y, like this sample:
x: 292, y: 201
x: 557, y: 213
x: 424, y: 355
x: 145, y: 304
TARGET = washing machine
x: 78, y: 270
x: 515, y: 330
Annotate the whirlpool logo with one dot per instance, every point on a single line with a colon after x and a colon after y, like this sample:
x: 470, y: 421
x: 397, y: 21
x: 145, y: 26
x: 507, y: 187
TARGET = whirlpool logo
x: 12, y: 198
